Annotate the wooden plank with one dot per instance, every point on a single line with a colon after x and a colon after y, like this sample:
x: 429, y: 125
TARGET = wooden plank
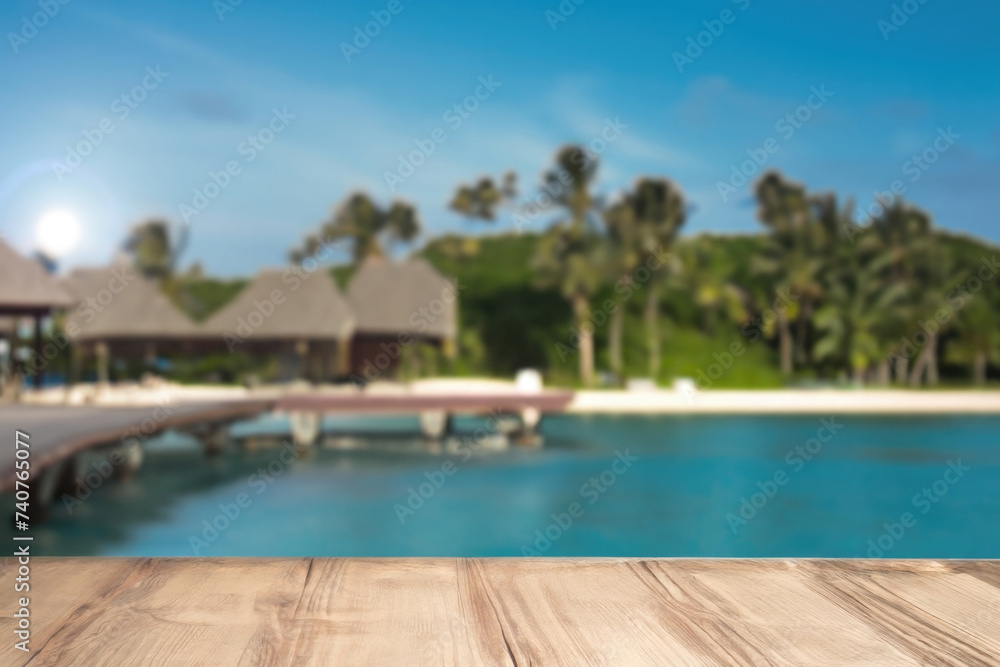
x: 322, y: 611
x: 58, y: 589
x: 583, y: 613
x: 934, y: 616
x: 987, y: 571
x: 386, y: 612
x: 775, y: 608
x: 178, y: 612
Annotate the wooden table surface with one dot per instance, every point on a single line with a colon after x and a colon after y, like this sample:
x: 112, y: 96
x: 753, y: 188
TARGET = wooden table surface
x: 346, y: 611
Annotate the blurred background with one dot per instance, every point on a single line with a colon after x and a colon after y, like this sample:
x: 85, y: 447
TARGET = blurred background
x: 658, y: 200
x: 211, y: 140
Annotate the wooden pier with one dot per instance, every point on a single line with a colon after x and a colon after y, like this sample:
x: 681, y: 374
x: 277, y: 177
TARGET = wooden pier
x: 59, y: 432
x: 434, y: 410
x: 548, y: 401
x: 96, y: 611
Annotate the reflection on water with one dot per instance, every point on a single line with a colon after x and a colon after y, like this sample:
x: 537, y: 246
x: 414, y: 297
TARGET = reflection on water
x: 395, y: 495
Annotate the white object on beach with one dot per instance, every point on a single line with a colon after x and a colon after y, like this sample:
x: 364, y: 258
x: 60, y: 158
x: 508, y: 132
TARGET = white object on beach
x: 641, y: 385
x: 528, y: 381
x: 685, y: 386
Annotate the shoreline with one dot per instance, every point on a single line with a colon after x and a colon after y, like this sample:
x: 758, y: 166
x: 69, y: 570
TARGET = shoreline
x: 606, y: 401
x: 787, y: 401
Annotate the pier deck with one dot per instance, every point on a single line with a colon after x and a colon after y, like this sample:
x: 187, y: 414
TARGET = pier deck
x: 89, y: 611
x: 57, y: 431
x: 547, y: 401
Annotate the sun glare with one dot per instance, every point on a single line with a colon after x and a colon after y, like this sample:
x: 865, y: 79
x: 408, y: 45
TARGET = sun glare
x: 57, y: 233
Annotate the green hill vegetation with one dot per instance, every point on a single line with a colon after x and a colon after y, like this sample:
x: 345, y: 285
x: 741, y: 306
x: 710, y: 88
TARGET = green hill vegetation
x: 594, y: 291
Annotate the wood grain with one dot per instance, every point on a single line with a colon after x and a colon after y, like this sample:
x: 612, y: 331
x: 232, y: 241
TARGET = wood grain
x: 331, y: 611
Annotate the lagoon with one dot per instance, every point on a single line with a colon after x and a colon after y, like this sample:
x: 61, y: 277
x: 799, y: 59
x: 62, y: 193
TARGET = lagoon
x: 631, y: 486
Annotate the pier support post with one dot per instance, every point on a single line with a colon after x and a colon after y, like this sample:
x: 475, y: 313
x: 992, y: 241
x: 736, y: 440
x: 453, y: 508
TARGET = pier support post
x: 305, y: 427
x: 215, y: 439
x: 67, y: 479
x: 131, y: 457
x: 435, y: 424
x: 530, y: 418
x: 52, y: 482
x: 213, y: 436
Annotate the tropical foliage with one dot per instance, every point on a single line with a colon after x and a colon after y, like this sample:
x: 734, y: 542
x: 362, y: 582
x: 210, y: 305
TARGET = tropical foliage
x: 368, y: 226
x: 815, y: 297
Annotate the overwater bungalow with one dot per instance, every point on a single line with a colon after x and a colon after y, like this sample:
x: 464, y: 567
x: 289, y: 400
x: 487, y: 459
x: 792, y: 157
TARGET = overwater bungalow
x: 27, y: 290
x: 396, y: 304
x: 303, y: 318
x: 120, y: 314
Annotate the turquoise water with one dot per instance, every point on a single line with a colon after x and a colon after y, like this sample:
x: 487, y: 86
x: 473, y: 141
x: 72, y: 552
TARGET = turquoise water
x: 676, y: 490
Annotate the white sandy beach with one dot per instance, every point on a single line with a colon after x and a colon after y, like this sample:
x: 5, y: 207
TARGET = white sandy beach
x: 787, y: 401
x: 800, y: 401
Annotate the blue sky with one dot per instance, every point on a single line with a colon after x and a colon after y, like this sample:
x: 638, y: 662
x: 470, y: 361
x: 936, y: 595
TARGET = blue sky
x: 224, y: 77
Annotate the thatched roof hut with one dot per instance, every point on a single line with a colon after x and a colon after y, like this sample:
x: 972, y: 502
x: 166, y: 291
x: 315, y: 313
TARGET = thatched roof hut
x: 389, y: 298
x: 288, y: 306
x: 301, y: 317
x: 397, y: 304
x: 119, y: 304
x: 27, y: 289
x: 25, y: 286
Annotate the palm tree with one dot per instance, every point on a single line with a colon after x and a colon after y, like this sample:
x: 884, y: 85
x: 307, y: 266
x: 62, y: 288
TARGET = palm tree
x: 782, y: 207
x: 622, y: 227
x: 930, y: 273
x: 481, y: 201
x: 570, y: 253
x: 851, y: 320
x: 898, y: 244
x: 367, y: 225
x: 978, y: 327
x: 155, y: 249
x: 642, y: 225
x: 794, y: 257
x: 710, y: 283
x: 857, y: 321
